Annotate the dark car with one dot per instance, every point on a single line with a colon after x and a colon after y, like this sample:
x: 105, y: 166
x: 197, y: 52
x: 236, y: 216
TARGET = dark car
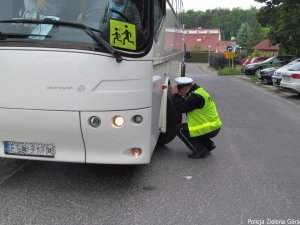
x: 276, y: 61
x: 266, y: 74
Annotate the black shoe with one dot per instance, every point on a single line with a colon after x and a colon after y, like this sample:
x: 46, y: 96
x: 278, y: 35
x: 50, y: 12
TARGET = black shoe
x: 209, y: 144
x: 197, y: 155
x: 211, y: 147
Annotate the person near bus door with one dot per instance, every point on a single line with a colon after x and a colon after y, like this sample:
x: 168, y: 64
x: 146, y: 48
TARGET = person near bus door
x: 203, y: 121
x: 45, y: 7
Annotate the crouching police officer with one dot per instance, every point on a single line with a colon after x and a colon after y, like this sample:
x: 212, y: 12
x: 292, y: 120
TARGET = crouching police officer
x: 203, y: 119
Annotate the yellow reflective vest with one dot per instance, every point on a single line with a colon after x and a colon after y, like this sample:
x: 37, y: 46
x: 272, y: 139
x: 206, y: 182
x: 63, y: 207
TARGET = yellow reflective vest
x: 205, y: 120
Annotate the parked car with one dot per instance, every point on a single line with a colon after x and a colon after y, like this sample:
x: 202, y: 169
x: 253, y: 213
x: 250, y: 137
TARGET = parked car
x: 291, y: 79
x: 276, y: 61
x: 252, y: 60
x: 277, y: 76
x: 258, y: 59
x: 246, y: 62
x: 266, y: 74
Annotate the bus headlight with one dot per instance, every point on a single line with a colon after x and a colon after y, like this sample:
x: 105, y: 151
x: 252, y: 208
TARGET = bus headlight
x: 118, y: 121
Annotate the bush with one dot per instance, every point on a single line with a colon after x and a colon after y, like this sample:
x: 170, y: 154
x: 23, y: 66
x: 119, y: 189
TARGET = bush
x: 218, y: 61
x: 198, y: 57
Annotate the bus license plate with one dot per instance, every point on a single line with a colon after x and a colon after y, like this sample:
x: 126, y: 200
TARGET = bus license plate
x: 29, y: 149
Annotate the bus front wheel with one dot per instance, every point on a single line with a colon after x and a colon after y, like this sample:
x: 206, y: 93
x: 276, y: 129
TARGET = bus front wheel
x: 173, y: 119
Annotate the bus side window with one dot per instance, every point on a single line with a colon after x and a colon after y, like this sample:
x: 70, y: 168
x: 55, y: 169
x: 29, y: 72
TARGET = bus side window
x: 159, y: 12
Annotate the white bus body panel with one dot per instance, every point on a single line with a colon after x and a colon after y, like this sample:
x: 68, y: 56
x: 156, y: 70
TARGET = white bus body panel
x: 48, y: 96
x: 72, y: 80
x: 57, y: 127
x: 108, y: 144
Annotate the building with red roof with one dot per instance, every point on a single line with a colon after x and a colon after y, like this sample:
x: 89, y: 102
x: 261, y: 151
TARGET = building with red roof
x: 222, y: 45
x: 202, y: 39
x: 267, y: 49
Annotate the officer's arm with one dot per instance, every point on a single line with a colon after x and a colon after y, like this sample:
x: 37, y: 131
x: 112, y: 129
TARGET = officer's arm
x: 184, y: 105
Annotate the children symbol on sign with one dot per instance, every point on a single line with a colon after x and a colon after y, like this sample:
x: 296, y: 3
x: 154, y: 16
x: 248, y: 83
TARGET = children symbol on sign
x: 128, y: 35
x: 117, y: 36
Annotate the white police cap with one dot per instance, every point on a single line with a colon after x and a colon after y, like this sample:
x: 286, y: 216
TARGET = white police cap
x: 183, y: 80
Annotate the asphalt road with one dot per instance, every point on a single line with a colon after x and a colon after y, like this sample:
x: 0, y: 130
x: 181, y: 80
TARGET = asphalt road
x: 252, y: 175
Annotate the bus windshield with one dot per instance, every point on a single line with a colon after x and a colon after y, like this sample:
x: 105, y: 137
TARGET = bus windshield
x: 124, y: 24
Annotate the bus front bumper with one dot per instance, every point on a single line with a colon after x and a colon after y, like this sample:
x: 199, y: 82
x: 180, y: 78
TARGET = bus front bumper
x: 68, y: 136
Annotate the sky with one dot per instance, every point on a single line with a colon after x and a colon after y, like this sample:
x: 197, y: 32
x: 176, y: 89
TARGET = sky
x: 203, y: 5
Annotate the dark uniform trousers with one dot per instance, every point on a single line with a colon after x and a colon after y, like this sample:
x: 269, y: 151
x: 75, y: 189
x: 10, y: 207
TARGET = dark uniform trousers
x: 196, y: 144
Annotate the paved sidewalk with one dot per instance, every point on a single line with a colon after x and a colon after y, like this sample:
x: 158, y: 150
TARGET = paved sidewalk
x: 207, y: 69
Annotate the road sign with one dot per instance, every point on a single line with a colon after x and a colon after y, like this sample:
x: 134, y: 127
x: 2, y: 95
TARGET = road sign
x: 229, y: 55
x: 123, y: 34
x: 229, y: 48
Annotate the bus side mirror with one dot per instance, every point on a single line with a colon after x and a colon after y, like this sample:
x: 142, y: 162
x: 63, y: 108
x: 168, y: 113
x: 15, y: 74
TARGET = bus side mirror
x: 187, y: 55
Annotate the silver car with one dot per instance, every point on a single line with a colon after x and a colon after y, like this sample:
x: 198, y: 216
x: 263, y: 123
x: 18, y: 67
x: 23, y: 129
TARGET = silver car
x: 291, y: 79
x: 277, y: 75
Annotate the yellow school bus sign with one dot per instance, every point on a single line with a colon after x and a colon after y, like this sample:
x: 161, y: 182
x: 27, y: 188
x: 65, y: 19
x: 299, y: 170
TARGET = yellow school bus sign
x: 229, y: 55
x: 122, y: 34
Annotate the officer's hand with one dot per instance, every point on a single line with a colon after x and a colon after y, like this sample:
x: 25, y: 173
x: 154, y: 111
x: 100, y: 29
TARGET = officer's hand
x: 175, y: 90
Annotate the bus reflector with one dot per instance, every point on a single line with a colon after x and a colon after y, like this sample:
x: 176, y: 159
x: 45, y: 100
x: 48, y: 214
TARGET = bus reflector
x: 95, y: 121
x: 136, y: 152
x: 137, y: 119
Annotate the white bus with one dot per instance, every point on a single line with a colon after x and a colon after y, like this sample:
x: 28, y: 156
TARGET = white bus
x: 87, y: 80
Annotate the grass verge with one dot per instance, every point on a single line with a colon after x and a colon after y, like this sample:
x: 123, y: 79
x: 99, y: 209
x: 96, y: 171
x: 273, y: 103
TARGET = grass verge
x: 227, y: 71
x: 254, y: 79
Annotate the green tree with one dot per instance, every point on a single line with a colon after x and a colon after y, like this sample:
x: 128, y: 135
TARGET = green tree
x: 243, y: 35
x: 283, y: 18
x: 228, y: 21
x: 247, y: 37
x: 191, y: 17
x: 256, y: 35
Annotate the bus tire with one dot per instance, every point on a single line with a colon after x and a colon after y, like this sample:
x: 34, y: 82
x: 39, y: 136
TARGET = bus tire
x: 173, y: 119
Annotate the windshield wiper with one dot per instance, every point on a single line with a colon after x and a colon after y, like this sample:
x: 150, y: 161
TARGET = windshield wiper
x: 4, y: 36
x: 88, y: 30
